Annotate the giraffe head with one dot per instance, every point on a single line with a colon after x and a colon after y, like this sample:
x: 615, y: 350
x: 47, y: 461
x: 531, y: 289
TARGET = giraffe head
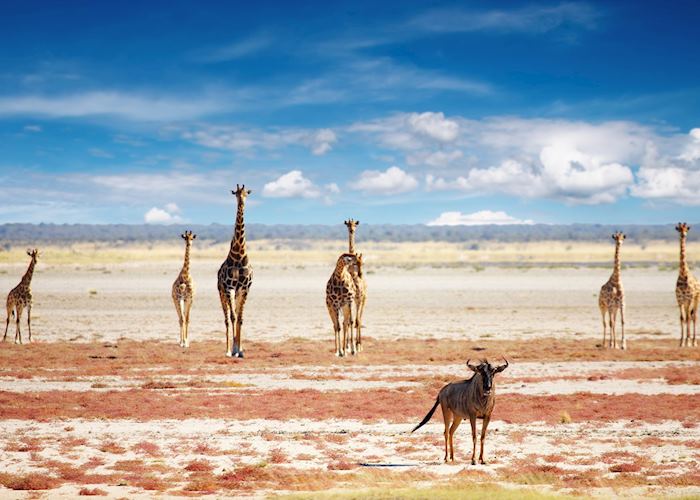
x: 241, y: 193
x: 188, y: 236
x: 352, y: 224
x: 33, y: 253
x: 683, y: 228
x: 619, y: 237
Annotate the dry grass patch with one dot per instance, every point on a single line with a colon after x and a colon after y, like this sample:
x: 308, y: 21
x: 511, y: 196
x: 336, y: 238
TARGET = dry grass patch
x: 92, y: 492
x: 31, y: 481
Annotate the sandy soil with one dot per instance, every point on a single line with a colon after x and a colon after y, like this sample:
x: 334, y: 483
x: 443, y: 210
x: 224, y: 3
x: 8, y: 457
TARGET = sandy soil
x: 108, y: 302
x: 106, y: 402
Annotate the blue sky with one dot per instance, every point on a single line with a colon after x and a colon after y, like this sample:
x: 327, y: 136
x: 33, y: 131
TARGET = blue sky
x: 388, y: 112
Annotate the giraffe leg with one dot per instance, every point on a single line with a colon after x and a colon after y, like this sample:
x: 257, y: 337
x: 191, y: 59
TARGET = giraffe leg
x: 472, y: 420
x: 241, y: 297
x: 484, y: 425
x: 447, y: 418
x: 351, y: 333
x: 613, y: 328
x: 10, y: 310
x: 29, y: 322
x: 455, y: 423
x: 333, y: 313
x: 358, y: 324
x: 178, y: 310
x: 682, y: 328
x: 232, y: 318
x: 347, y: 324
x: 18, y: 333
x: 623, y: 342
x: 225, y: 306
x: 188, y: 307
x: 695, y: 317
x: 688, y: 319
x: 605, y: 325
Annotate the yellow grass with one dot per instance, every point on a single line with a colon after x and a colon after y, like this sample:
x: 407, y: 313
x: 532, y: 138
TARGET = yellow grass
x: 299, y: 253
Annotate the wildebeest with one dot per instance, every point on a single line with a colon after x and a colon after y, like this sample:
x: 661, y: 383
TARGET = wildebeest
x: 473, y: 398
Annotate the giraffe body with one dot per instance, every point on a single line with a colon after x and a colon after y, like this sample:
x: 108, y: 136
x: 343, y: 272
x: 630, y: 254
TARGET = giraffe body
x: 183, y: 292
x: 611, y: 299
x: 359, y: 281
x: 234, y: 279
x: 687, y: 292
x: 340, y: 295
x: 19, y: 298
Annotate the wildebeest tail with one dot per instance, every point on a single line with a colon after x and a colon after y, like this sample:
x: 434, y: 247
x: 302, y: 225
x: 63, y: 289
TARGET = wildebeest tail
x: 428, y: 416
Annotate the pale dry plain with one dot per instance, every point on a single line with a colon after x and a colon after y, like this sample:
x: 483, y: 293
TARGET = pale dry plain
x: 106, y: 402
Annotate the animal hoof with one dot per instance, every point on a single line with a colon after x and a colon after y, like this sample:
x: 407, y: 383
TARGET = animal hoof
x: 239, y: 354
x: 473, y: 462
x: 229, y: 354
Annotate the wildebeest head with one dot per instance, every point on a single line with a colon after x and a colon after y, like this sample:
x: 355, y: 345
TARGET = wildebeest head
x: 487, y: 372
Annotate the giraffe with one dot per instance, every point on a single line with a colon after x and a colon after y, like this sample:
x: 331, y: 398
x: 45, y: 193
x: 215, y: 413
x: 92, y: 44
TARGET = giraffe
x: 340, y: 294
x: 612, y: 298
x: 21, y: 297
x: 687, y: 290
x: 234, y: 279
x: 360, y: 283
x: 183, y: 292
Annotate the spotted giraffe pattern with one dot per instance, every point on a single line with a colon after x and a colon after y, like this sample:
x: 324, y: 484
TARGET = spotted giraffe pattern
x: 183, y: 292
x: 687, y: 292
x: 234, y: 279
x: 360, y: 283
x: 21, y: 297
x: 611, y: 299
x: 340, y: 295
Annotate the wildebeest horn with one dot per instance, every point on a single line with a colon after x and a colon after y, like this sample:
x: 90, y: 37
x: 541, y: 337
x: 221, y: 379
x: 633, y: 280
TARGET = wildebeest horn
x: 502, y: 367
x: 471, y: 367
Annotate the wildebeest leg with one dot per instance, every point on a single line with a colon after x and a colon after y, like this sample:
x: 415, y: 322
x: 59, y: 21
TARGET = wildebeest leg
x: 447, y: 417
x: 455, y: 423
x: 484, y: 425
x: 472, y: 420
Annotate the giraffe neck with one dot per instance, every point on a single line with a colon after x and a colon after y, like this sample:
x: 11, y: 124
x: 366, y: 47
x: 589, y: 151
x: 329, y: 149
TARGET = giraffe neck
x: 616, y: 267
x: 339, y: 267
x: 683, y: 267
x: 351, y: 242
x: 27, y: 278
x: 237, y: 252
x: 186, y: 265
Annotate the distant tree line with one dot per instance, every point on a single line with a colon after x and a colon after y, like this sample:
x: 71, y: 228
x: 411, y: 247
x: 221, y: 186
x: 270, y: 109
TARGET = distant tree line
x: 67, y: 233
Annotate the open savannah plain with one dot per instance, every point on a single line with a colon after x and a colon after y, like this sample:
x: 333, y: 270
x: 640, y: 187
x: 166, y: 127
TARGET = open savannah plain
x: 105, y: 402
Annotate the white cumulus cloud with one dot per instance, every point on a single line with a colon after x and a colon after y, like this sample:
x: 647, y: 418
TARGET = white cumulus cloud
x: 434, y: 125
x: 165, y: 215
x: 482, y: 217
x: 392, y: 181
x: 293, y: 184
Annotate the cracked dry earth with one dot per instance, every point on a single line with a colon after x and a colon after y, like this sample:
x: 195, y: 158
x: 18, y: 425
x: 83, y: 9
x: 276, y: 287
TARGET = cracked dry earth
x: 133, y: 419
